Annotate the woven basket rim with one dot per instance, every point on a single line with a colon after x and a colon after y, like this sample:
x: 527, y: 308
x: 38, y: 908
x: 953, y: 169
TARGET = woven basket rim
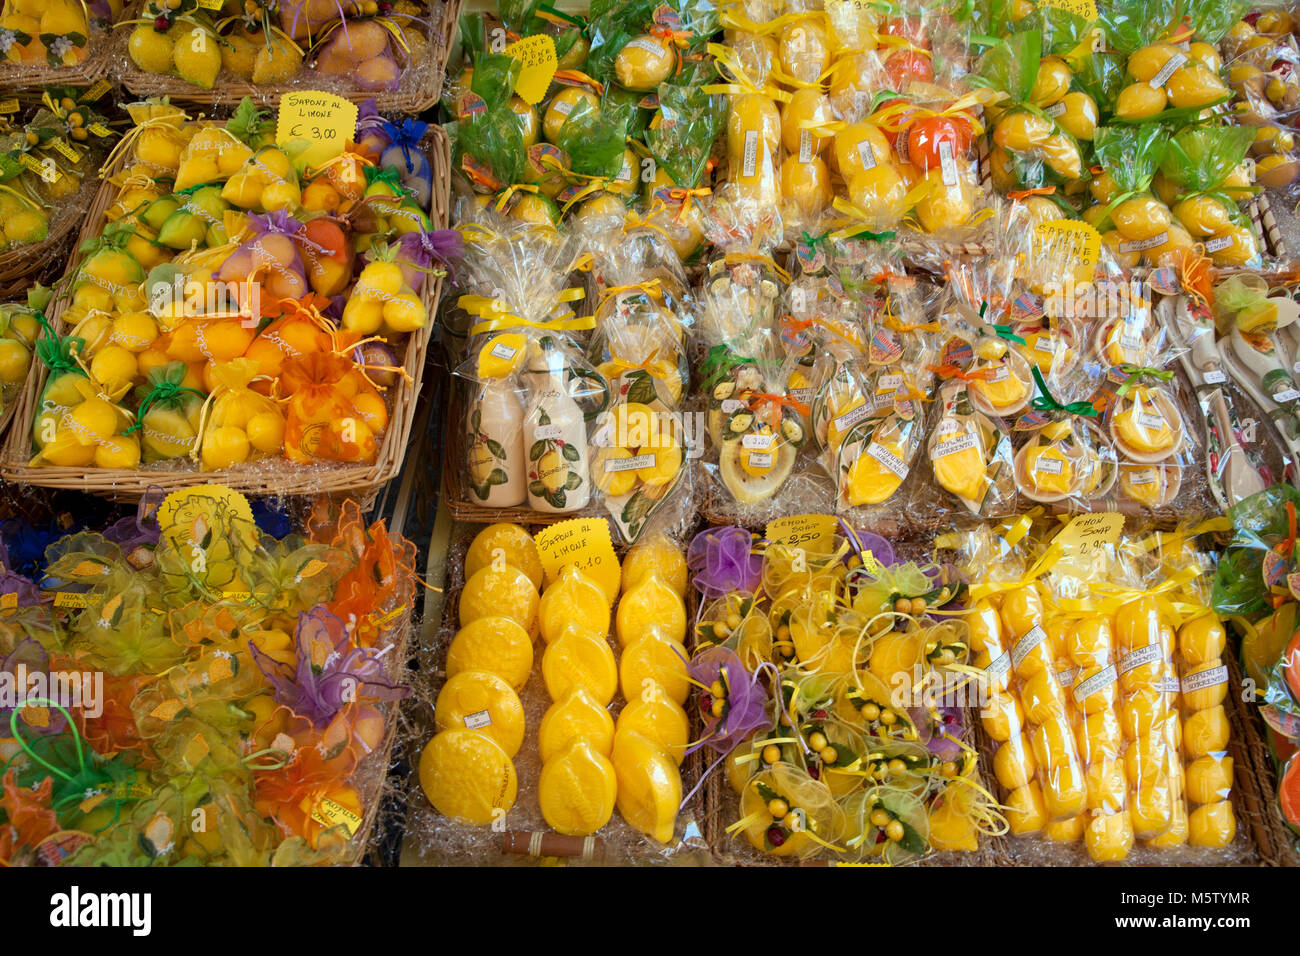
x: 289, y: 480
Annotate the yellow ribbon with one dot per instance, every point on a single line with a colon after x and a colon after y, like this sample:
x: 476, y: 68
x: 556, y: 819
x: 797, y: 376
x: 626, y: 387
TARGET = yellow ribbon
x: 495, y: 315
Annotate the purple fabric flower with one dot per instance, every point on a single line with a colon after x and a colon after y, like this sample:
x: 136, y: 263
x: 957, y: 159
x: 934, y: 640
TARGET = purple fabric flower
x: 879, y: 547
x: 746, y: 709
x: 330, y: 672
x: 29, y: 595
x: 721, y: 560
x: 137, y: 535
x: 417, y: 251
x: 28, y: 658
x: 939, y: 738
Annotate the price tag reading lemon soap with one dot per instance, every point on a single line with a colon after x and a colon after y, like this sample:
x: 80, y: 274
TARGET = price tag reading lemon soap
x: 586, y: 543
x: 325, y: 120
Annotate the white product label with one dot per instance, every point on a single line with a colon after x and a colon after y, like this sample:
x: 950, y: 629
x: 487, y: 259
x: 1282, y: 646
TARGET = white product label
x: 563, y: 107
x: 750, y: 163
x: 478, y: 720
x: 551, y: 431
x: 1142, y: 245
x: 1286, y: 395
x: 953, y: 445
x: 1143, y: 655
x: 851, y: 418
x: 646, y: 46
x: 805, y: 146
x: 1047, y: 466
x: 1147, y: 477
x: 1202, y: 679
x: 1067, y: 677
x: 947, y: 164
x: 1055, y: 110
x: 888, y: 383
x: 630, y: 463
x: 1216, y: 377
x: 867, y: 155
x: 1095, y: 684
x: 888, y: 459
x: 760, y: 459
x: 503, y: 352
x: 730, y: 405
x: 1024, y: 646
x: 1218, y: 243
x: 1045, y: 343
x: 1153, y: 422
x: 625, y: 174
x: 1000, y: 666
x: 1170, y: 684
x: 1000, y: 374
x: 1166, y: 71
x: 802, y: 395
x: 757, y: 442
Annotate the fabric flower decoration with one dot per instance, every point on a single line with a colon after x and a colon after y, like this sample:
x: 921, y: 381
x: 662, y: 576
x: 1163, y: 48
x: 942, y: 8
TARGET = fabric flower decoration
x: 722, y: 560
x: 745, y: 707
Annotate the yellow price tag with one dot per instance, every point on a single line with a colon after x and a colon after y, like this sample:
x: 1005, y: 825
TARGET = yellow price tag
x: 1083, y: 539
x: 61, y: 146
x: 584, y: 542
x: 1087, y: 9
x: 325, y: 120
x: 69, y: 599
x: 1070, y: 240
x: 96, y: 91
x: 814, y: 533
x: 10, y: 105
x: 537, y: 54
x: 100, y: 130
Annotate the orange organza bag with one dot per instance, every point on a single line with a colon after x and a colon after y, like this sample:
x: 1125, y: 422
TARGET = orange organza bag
x: 334, y: 413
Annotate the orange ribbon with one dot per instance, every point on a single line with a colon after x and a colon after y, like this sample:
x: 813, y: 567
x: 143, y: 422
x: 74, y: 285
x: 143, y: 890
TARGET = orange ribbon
x: 1198, y: 275
x: 578, y: 78
x: 949, y: 370
x: 767, y: 398
x: 1037, y: 191
x: 679, y: 194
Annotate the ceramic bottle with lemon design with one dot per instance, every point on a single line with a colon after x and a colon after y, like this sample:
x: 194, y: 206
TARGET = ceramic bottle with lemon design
x: 555, y: 436
x: 495, y: 433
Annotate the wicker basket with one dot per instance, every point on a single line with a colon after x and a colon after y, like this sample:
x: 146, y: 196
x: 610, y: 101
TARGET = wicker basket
x: 44, y: 261
x: 25, y: 77
x: 419, y: 87
x: 616, y: 830
x: 274, y: 478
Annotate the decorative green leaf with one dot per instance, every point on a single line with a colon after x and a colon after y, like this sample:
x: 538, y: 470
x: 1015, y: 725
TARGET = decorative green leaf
x: 497, y: 477
x: 573, y: 481
x: 537, y: 489
x: 542, y: 417
x: 642, y: 388
x: 496, y: 449
x: 766, y: 792
x: 476, y: 419
x: 556, y: 500
x: 537, y: 451
x: 570, y: 453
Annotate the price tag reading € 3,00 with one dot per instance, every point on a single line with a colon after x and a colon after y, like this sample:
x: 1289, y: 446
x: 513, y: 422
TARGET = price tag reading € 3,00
x: 586, y: 543
x: 325, y: 120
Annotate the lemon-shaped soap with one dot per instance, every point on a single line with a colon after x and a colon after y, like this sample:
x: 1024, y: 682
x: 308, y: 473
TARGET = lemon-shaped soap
x: 650, y: 606
x: 870, y: 481
x: 576, y: 714
x: 1048, y: 469
x: 576, y: 659
x: 1003, y: 389
x: 496, y: 644
x: 500, y: 591
x: 1212, y: 824
x: 483, y: 702
x: 649, y: 786
x: 658, y: 555
x: 659, y: 719
x: 577, y: 788
x: 573, y: 599
x: 517, y: 549
x: 468, y: 777
x: 1143, y: 425
x: 654, y: 661
x: 962, y: 469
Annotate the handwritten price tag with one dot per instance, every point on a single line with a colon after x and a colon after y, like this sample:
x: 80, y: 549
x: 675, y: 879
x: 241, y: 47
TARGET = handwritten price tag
x: 1070, y: 240
x: 584, y: 542
x: 814, y: 533
x: 325, y: 120
x: 1087, y: 9
x: 537, y: 54
x: 1084, y: 538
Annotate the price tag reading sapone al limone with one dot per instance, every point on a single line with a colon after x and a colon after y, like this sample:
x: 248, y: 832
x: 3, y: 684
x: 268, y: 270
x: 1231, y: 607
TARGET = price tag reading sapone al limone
x: 325, y: 120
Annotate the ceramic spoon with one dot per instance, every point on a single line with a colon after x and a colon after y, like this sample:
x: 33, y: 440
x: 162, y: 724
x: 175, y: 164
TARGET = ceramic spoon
x: 1237, y: 478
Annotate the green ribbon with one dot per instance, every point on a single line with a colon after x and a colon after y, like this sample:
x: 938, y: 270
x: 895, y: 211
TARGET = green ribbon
x: 1004, y: 331
x: 812, y: 242
x: 873, y: 236
x: 1047, y: 402
x: 1136, y: 373
x: 719, y: 362
x: 162, y: 392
